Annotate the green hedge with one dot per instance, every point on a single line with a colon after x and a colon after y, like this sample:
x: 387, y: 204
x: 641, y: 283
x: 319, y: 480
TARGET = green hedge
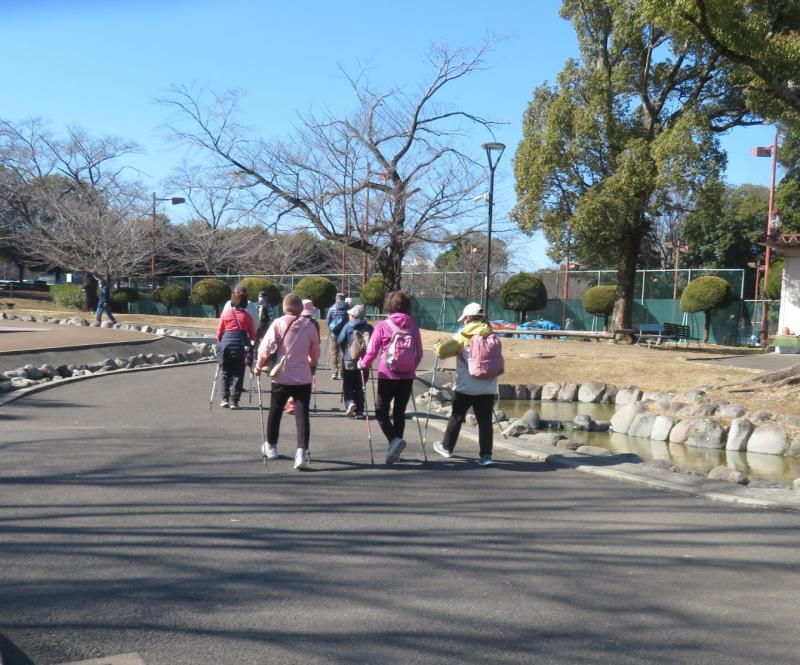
x: 66, y: 295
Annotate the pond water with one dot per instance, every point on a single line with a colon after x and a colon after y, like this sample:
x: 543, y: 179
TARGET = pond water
x: 755, y: 465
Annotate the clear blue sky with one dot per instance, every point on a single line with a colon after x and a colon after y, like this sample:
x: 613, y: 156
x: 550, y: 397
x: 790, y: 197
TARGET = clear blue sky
x: 100, y: 65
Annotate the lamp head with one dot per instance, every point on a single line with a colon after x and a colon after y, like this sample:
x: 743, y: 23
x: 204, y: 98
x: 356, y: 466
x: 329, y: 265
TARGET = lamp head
x: 493, y: 147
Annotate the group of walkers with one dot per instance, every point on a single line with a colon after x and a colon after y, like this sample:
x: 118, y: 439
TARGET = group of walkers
x: 288, y: 351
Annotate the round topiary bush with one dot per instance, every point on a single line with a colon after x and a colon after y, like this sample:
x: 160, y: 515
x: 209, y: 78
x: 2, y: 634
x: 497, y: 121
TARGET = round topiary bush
x: 774, y: 280
x: 373, y: 294
x: 599, y: 300
x: 523, y: 293
x: 705, y: 294
x: 320, y: 290
x: 212, y: 292
x: 172, y: 295
x: 122, y: 297
x: 256, y: 284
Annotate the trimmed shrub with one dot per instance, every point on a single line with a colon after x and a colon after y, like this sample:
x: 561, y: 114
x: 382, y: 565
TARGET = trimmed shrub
x: 373, y: 293
x: 774, y: 280
x: 523, y: 293
x: 320, y: 290
x: 212, y: 292
x: 599, y: 300
x: 122, y: 297
x: 256, y: 284
x: 705, y: 294
x: 67, y: 295
x: 171, y: 295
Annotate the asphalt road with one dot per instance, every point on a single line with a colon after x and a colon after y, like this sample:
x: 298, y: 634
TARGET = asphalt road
x: 133, y: 519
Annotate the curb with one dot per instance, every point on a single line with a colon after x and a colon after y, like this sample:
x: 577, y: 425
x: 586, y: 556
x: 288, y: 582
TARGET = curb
x: 81, y: 347
x: 17, y: 394
x: 705, y: 488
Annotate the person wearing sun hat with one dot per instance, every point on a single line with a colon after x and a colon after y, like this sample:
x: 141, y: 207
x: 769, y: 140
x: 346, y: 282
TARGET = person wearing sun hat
x: 477, y: 392
x: 356, y: 329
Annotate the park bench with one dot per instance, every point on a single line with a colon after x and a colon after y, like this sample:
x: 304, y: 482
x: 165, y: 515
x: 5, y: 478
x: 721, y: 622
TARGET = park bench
x: 678, y: 333
x: 650, y: 332
x: 664, y: 332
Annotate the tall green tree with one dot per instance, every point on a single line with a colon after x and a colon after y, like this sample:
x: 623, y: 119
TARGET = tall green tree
x: 787, y: 196
x: 630, y: 125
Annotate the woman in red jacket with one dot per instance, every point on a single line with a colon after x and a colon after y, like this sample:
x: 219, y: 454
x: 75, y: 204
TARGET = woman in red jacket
x: 235, y: 334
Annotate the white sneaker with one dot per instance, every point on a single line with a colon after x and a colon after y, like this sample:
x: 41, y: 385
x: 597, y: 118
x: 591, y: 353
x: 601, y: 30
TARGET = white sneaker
x: 351, y: 409
x: 439, y: 448
x: 224, y: 404
x: 301, y: 461
x: 268, y: 451
x: 395, y: 448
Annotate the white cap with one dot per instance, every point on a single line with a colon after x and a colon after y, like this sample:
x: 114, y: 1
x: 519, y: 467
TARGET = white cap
x: 357, y: 311
x: 472, y: 309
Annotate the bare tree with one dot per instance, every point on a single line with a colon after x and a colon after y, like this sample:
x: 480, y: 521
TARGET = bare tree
x: 397, y: 148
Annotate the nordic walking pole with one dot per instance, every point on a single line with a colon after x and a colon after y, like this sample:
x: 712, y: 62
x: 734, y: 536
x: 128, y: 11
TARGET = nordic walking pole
x: 419, y: 427
x: 499, y: 426
x: 261, y: 416
x: 314, y: 389
x: 366, y: 414
x: 213, y: 388
x: 430, y: 399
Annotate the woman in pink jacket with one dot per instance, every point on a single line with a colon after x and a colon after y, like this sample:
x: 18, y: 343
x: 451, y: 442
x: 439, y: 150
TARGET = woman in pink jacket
x: 397, y: 342
x: 295, y: 338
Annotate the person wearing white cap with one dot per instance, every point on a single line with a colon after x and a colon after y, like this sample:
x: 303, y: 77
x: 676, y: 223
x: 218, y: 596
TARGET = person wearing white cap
x: 353, y: 342
x: 479, y: 361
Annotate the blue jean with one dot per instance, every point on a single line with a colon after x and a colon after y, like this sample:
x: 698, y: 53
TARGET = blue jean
x: 105, y: 306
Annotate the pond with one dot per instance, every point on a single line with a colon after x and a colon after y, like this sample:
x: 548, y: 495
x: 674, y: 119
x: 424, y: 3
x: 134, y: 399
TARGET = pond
x: 755, y: 466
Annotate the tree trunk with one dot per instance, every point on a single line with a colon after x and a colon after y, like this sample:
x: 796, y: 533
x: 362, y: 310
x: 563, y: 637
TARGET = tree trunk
x: 622, y: 316
x: 21, y: 271
x: 389, y: 264
x: 89, y: 293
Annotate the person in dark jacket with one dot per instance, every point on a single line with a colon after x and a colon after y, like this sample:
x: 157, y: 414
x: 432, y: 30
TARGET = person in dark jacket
x: 235, y: 334
x: 352, y: 379
x: 336, y: 319
x: 265, y: 316
x: 104, y: 300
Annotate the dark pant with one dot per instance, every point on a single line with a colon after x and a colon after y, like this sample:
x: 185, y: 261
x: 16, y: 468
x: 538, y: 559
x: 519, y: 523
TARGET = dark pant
x: 397, y: 391
x: 482, y: 406
x: 105, y: 306
x: 232, y: 375
x: 353, y: 388
x: 280, y: 395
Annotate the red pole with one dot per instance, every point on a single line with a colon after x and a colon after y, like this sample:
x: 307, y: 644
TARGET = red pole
x: 770, y: 213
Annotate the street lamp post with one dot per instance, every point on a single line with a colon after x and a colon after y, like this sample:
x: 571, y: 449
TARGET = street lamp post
x: 490, y: 148
x: 175, y: 200
x: 768, y: 151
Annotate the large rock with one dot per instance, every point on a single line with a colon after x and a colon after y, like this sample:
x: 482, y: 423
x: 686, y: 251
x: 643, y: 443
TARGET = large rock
x: 624, y: 417
x: 48, y: 371
x: 597, y: 451
x: 471, y: 420
x: 609, y: 396
x: 761, y: 416
x: 695, y: 395
x: 706, y: 434
x: 33, y: 373
x: 628, y: 395
x: 544, y: 438
x: 500, y: 416
x: 531, y: 418
x: 662, y: 427
x: 696, y: 411
x: 642, y: 425
x: 506, y: 391
x: 728, y: 475
x: 582, y: 422
x: 770, y: 439
x: 730, y: 411
x: 521, y: 391
x: 19, y: 384
x: 599, y: 426
x: 794, y: 448
x: 680, y: 431
x: 516, y: 428
x: 106, y: 324
x: 550, y: 392
x: 568, y: 392
x: 535, y: 391
x: 789, y: 421
x: 146, y: 329
x: 591, y: 392
x: 738, y: 434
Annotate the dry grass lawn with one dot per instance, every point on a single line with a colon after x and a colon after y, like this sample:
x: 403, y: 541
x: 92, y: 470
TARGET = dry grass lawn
x: 542, y: 361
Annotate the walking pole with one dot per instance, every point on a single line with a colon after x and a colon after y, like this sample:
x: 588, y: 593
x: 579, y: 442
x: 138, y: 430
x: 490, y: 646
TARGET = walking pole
x: 213, y: 388
x: 261, y: 416
x: 250, y: 392
x: 430, y: 399
x: 419, y: 427
x: 314, y: 389
x: 366, y: 414
x: 499, y: 426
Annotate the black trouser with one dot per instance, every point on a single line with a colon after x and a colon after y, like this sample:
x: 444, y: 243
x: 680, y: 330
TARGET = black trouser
x: 353, y: 388
x: 280, y: 395
x: 482, y: 406
x: 232, y: 374
x: 397, y: 391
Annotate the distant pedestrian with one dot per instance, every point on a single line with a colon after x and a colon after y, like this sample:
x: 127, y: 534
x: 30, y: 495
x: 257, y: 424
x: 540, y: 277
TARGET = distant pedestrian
x: 397, y: 342
x: 104, y: 298
x: 295, y: 343
x: 236, y: 333
x: 264, y: 315
x: 353, y: 341
x: 337, y: 318
x: 479, y: 361
x: 252, y: 310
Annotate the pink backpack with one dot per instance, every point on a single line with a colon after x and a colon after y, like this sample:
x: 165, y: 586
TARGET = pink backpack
x: 401, y: 354
x: 485, y: 357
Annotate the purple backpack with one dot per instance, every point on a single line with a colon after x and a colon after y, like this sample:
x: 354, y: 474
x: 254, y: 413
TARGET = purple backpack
x: 485, y: 357
x: 401, y: 354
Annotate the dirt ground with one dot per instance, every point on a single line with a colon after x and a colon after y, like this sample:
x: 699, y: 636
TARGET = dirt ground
x: 542, y: 361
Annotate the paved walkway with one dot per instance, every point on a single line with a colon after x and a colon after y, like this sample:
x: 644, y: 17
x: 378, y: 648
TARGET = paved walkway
x: 133, y: 520
x: 17, y: 336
